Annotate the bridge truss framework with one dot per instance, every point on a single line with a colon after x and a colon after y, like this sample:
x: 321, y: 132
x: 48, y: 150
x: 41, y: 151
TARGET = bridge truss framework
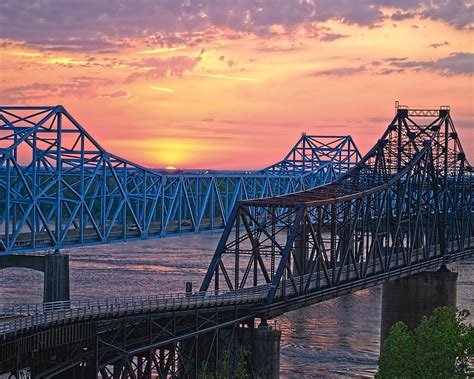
x: 60, y: 188
x: 406, y: 207
x: 408, y: 200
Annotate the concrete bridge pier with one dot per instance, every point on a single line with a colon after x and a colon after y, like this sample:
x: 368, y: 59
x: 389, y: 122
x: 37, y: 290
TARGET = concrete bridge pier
x: 266, y: 351
x: 409, y: 299
x: 219, y: 353
x: 54, y: 266
x: 56, y: 277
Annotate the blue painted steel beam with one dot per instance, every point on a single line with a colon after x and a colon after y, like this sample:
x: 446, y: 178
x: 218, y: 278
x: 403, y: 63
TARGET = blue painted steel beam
x: 60, y: 188
x: 408, y: 201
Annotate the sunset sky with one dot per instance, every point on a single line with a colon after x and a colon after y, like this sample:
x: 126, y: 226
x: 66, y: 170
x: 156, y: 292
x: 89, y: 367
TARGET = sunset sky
x: 232, y: 84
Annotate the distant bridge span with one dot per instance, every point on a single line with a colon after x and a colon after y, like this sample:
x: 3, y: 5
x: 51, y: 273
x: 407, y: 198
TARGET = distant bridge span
x: 405, y: 208
x: 59, y: 188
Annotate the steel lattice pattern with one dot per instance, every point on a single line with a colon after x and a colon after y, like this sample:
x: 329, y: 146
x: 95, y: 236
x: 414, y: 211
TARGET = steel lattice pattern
x: 59, y: 187
x: 406, y: 207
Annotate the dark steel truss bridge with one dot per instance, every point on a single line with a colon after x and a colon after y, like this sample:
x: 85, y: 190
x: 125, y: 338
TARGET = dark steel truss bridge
x: 406, y: 207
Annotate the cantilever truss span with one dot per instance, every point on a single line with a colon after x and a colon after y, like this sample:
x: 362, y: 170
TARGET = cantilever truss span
x: 60, y: 188
x: 408, y: 201
x: 406, y: 207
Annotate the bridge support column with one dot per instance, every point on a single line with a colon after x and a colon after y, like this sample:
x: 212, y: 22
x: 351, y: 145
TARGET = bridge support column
x: 266, y: 351
x: 56, y: 277
x: 54, y: 266
x: 409, y: 299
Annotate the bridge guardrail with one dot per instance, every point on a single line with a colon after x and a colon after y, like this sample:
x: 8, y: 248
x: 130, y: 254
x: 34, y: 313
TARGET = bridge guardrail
x: 7, y: 311
x: 30, y: 316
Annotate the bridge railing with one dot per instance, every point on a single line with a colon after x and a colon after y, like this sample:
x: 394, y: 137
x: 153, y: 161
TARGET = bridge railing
x: 31, y: 316
x: 28, y: 316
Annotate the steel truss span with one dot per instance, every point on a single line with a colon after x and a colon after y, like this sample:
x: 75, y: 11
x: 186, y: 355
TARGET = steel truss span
x: 409, y: 200
x: 406, y: 207
x: 60, y: 188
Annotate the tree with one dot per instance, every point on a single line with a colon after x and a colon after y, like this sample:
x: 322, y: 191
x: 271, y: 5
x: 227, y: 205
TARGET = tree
x: 396, y: 360
x: 441, y: 347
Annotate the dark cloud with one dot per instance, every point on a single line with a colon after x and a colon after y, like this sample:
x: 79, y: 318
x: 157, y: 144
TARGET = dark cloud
x: 90, y: 25
x: 342, y: 71
x: 363, y: 12
x: 77, y: 44
x: 455, y: 12
x: 454, y: 64
x: 279, y: 49
x: 436, y: 45
x: 400, y: 16
x: 395, y: 59
x: 329, y: 37
x: 159, y: 68
x: 81, y: 86
x: 389, y: 71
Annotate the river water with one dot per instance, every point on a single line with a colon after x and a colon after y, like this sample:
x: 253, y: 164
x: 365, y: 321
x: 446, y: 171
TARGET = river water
x: 338, y: 338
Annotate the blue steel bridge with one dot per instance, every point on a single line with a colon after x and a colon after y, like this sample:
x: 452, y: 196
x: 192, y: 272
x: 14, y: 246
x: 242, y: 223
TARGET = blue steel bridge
x: 60, y: 188
x: 404, y: 208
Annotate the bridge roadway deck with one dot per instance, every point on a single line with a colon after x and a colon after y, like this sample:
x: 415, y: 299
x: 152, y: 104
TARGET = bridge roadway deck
x: 32, y: 328
x: 74, y: 238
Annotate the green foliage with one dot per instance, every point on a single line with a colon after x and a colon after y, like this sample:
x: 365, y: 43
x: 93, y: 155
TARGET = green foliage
x: 240, y: 369
x: 441, y: 347
x: 396, y: 360
x: 226, y: 371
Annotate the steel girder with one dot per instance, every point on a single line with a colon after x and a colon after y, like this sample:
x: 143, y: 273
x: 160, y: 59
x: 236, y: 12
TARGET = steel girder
x: 408, y: 202
x: 179, y: 344
x: 59, y: 187
x: 213, y: 354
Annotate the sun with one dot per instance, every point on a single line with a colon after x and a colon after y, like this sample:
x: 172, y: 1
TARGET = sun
x: 170, y: 168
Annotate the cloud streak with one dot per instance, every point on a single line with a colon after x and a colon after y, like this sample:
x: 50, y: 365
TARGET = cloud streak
x: 163, y: 50
x: 219, y: 76
x: 162, y: 89
x: 341, y: 71
x: 116, y: 94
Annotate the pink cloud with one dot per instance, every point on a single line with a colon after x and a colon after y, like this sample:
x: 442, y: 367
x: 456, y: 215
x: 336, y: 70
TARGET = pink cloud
x: 159, y: 68
x: 115, y: 94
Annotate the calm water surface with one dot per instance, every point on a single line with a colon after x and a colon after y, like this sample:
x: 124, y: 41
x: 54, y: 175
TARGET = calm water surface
x: 335, y: 339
